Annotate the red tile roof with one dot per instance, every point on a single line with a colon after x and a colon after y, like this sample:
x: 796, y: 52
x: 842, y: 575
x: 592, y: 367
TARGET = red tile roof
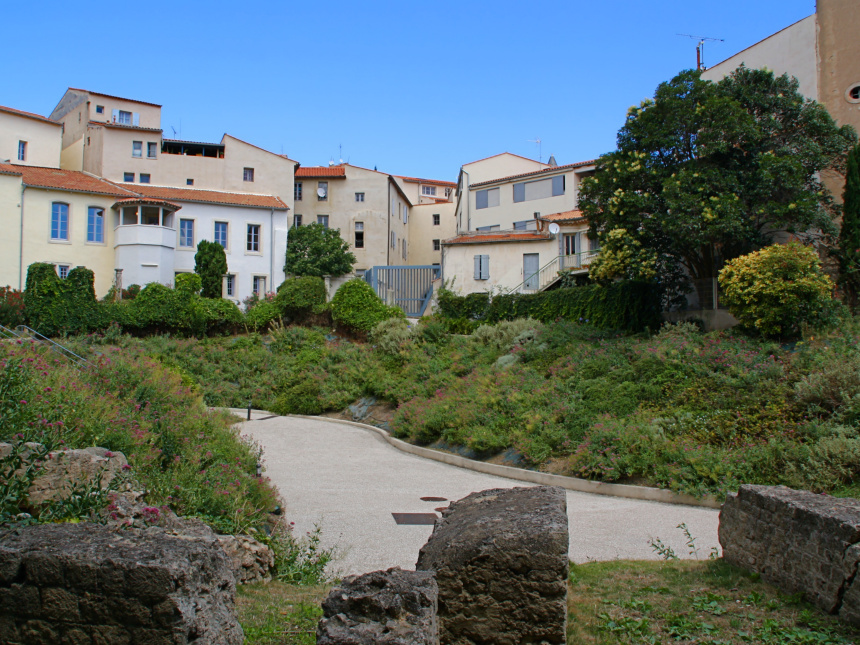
x: 210, y: 196
x: 321, y: 171
x: 121, y: 126
x: 71, y: 180
x: 29, y: 115
x: 566, y: 216
x: 492, y: 238
x: 110, y: 96
x: 545, y: 171
x: 434, y: 182
x: 147, y: 200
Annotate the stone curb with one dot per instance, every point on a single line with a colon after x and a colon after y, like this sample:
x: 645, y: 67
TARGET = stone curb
x: 545, y: 479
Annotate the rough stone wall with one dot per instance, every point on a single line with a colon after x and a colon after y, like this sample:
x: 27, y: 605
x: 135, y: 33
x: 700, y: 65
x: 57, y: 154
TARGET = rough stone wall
x: 392, y: 607
x: 88, y: 584
x: 500, y: 560
x: 800, y: 541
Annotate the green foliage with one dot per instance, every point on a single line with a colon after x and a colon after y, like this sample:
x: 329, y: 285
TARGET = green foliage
x: 316, y: 250
x: 706, y: 172
x: 777, y: 290
x: 262, y: 315
x: 189, y: 284
x: 503, y: 335
x: 622, y: 257
x: 357, y: 308
x: 56, y: 307
x: 298, y: 298
x: 627, y: 305
x: 210, y: 263
x: 849, y: 235
x: 11, y: 307
x: 393, y: 335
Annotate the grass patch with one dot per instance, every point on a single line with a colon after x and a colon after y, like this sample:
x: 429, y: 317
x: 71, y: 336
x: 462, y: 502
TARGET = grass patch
x: 690, y: 602
x: 279, y: 613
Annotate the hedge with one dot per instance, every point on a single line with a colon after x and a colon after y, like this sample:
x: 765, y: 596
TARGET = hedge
x: 626, y: 306
x: 54, y: 306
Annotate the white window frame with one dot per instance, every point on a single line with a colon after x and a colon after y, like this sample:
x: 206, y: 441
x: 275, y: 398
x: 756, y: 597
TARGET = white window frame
x: 124, y: 118
x: 22, y: 150
x: 297, y: 191
x: 229, y: 289
x: 90, y: 209
x: 193, y: 245
x: 297, y: 220
x: 152, y: 146
x: 137, y: 149
x: 248, y: 174
x: 359, y: 228
x: 226, y: 244
x: 437, y: 219
x: 63, y: 270
x: 259, y: 250
x: 255, y: 280
x: 58, y: 239
x: 430, y: 191
x: 359, y: 197
x: 323, y: 222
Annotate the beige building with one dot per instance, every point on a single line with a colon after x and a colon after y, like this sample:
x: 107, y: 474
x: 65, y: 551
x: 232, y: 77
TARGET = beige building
x: 29, y: 139
x: 822, y: 51
x: 433, y: 217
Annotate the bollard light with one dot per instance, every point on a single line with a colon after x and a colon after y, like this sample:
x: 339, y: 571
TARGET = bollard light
x: 249, y: 410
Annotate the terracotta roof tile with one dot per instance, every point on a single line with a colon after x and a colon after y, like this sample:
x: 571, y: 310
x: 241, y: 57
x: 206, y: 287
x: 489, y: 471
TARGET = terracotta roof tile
x: 110, y: 96
x: 147, y: 200
x: 72, y: 180
x: 321, y: 171
x: 29, y: 115
x: 210, y: 197
x: 492, y: 238
x: 566, y: 216
x: 434, y: 182
x: 535, y: 173
x: 121, y: 126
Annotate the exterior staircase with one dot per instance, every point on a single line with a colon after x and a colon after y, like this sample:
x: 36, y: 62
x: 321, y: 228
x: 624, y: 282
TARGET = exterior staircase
x: 550, y: 273
x: 22, y: 333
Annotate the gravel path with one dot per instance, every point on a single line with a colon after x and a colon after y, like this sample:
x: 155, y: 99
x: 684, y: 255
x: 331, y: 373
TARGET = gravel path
x: 349, y: 481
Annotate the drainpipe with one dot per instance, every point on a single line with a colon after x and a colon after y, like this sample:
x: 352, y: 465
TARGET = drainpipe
x: 467, y: 190
x: 388, y: 219
x: 21, y: 242
x: 272, y: 247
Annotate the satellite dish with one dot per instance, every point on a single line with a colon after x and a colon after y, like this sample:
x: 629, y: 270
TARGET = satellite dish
x: 554, y: 228
x: 321, y: 192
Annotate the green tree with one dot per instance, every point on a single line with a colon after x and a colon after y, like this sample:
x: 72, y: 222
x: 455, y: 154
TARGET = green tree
x: 849, y: 234
x: 317, y: 251
x: 706, y: 172
x: 210, y: 263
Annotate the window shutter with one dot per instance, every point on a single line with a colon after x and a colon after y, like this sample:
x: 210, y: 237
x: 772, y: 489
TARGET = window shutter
x: 558, y: 185
x: 481, y: 199
x: 578, y: 243
x: 485, y: 267
x: 477, y: 267
x: 561, y: 244
x: 519, y: 192
x: 135, y: 119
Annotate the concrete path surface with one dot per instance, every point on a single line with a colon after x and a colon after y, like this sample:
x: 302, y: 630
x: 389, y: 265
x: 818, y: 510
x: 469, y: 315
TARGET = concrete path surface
x: 349, y: 481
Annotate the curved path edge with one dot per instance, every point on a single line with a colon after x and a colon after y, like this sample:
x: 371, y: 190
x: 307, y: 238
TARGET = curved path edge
x: 545, y: 479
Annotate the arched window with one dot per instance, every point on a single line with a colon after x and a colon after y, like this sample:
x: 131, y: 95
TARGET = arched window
x: 59, y: 221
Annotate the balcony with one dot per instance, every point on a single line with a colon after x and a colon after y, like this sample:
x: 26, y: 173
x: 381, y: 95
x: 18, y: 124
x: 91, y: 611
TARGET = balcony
x: 145, y: 234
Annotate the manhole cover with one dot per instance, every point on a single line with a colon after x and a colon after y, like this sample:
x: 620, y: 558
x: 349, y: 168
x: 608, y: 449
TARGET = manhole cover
x: 434, y: 499
x: 415, y: 518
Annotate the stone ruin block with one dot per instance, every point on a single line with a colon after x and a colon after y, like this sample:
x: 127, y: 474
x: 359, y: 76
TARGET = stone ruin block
x: 799, y: 541
x: 91, y: 584
x: 500, y: 561
x: 392, y: 607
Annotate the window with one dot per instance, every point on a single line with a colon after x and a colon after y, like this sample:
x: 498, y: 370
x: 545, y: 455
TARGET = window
x: 436, y: 219
x: 186, y: 233
x: 437, y: 245
x: 322, y: 191
x: 494, y: 227
x: 487, y: 198
x: 137, y: 148
x: 221, y: 233
x: 403, y: 247
x: 229, y: 285
x: 359, y: 235
x: 297, y: 191
x: 322, y: 219
x: 100, y: 109
x: 482, y: 267
x: 144, y: 178
x: 189, y: 182
x: 22, y: 151
x: 297, y: 220
x: 253, y: 242
x: 405, y: 213
x: 128, y: 177
x: 123, y: 117
x: 63, y: 271
x: 393, y: 240
x: 428, y: 190
x: 259, y: 285
x: 593, y: 244
x: 540, y: 189
x: 359, y: 197
x: 59, y: 221
x: 151, y: 149
x: 248, y: 174
x: 96, y: 224
x: 526, y: 225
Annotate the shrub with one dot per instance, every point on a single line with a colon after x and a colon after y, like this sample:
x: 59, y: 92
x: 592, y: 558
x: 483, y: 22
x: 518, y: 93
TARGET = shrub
x: 54, y: 306
x: 503, y: 334
x: 298, y: 298
x: 356, y: 307
x: 210, y: 263
x: 159, y: 309
x: 261, y: 315
x: 189, y: 283
x: 392, y: 335
x: 215, y: 316
x: 11, y: 307
x: 777, y: 289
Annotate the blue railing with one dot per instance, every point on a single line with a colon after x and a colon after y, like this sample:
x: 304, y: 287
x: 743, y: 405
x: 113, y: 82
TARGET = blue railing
x: 408, y: 287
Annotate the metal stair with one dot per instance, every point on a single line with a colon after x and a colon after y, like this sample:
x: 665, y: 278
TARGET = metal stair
x: 24, y: 333
x: 549, y: 274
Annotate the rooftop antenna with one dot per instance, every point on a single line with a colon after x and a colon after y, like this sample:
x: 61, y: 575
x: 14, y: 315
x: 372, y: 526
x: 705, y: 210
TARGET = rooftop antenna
x: 540, y: 148
x: 340, y: 153
x: 174, y: 131
x: 700, y: 48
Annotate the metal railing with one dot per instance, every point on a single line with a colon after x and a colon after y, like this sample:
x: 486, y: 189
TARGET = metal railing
x: 549, y: 274
x: 408, y: 287
x: 22, y: 332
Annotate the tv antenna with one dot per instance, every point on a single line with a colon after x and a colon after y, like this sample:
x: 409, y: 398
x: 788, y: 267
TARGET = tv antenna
x: 700, y: 48
x: 538, y: 141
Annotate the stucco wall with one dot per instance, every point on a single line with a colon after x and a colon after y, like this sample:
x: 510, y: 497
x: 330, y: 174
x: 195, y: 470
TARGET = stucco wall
x: 43, y: 140
x: 10, y: 221
x: 839, y: 50
x: 501, y: 165
x: 791, y: 51
x: 422, y: 231
x: 506, y: 264
x: 72, y: 157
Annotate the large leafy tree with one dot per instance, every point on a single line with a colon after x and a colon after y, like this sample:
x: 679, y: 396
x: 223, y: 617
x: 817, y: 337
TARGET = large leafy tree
x: 706, y: 172
x: 210, y: 263
x: 849, y: 234
x: 317, y: 251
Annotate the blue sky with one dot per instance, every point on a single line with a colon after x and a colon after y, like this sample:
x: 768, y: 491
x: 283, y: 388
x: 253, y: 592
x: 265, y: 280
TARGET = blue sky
x: 415, y: 88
